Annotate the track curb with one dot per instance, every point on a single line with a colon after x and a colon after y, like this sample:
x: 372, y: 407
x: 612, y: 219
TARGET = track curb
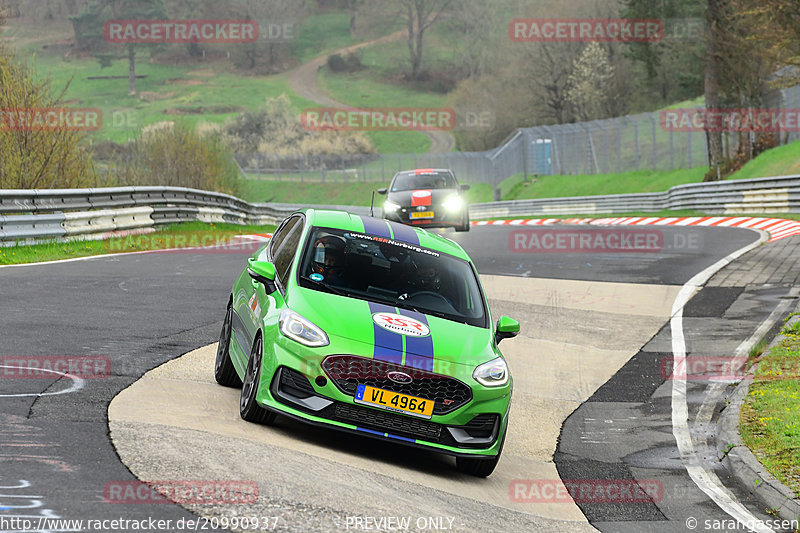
x: 740, y: 461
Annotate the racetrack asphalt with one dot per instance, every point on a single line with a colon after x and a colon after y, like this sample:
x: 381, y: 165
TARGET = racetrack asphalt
x: 143, y: 310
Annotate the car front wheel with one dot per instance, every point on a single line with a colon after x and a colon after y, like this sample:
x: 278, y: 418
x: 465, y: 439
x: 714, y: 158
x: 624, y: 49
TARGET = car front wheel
x: 248, y: 407
x: 464, y: 223
x: 224, y: 372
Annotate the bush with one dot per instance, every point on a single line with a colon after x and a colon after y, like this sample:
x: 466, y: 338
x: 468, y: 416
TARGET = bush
x: 349, y: 63
x: 178, y: 156
x: 32, y: 157
x: 276, y: 130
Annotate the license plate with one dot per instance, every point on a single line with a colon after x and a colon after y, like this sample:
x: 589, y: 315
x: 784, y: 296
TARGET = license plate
x: 394, y: 401
x: 422, y: 214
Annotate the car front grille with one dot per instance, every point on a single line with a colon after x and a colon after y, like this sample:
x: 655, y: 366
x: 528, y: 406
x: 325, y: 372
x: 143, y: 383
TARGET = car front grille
x: 347, y: 372
x: 400, y: 425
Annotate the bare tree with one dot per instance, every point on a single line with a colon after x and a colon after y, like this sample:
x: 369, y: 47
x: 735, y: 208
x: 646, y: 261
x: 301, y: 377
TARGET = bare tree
x: 268, y: 13
x: 477, y: 26
x: 716, y: 23
x: 419, y: 16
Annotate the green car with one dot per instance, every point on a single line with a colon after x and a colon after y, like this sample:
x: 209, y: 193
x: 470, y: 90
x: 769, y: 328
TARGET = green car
x: 371, y: 327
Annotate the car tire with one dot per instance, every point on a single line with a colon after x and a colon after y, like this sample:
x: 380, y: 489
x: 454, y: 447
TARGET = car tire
x: 248, y: 407
x: 465, y: 225
x: 224, y: 371
x: 479, y: 467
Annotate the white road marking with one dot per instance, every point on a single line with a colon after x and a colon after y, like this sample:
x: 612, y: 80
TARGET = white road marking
x: 706, y: 480
x: 77, y: 384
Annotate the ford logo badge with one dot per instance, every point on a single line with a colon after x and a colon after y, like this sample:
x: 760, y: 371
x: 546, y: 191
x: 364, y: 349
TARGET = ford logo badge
x: 400, y: 377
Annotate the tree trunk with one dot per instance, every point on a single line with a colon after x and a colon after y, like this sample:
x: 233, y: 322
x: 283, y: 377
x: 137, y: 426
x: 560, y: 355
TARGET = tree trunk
x: 411, y: 40
x: 712, y: 88
x: 352, y: 23
x: 131, y: 71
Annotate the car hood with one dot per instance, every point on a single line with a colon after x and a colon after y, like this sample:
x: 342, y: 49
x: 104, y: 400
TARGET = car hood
x: 436, y: 198
x: 353, y: 329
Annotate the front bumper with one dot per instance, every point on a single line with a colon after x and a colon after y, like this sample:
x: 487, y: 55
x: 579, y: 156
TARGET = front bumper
x: 472, y: 430
x: 441, y: 217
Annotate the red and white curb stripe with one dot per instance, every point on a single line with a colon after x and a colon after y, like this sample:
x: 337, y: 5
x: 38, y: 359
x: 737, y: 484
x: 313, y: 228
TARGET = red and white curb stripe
x: 257, y: 236
x: 777, y: 228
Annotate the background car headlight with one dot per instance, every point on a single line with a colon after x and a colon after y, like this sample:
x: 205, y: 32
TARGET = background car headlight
x: 302, y: 330
x: 390, y: 207
x: 453, y: 203
x: 492, y: 374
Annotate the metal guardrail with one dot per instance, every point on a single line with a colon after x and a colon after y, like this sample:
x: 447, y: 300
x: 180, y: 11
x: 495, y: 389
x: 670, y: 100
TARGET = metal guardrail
x: 761, y: 195
x: 31, y: 215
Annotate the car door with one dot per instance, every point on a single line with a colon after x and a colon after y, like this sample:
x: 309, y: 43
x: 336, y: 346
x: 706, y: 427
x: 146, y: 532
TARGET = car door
x: 251, y: 301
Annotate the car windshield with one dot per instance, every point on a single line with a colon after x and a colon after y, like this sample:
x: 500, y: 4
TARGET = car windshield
x: 427, y: 180
x: 402, y: 275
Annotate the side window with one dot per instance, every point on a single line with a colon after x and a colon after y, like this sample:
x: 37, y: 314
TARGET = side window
x: 280, y: 236
x: 286, y: 250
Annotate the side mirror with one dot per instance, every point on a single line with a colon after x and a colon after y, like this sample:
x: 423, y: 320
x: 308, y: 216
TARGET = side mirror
x: 507, y: 328
x: 383, y: 191
x: 465, y: 187
x: 262, y: 272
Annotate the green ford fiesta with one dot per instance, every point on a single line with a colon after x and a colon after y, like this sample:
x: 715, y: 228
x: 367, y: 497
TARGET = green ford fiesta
x: 372, y: 327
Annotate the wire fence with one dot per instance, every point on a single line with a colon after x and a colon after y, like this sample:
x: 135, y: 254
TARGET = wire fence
x: 630, y: 143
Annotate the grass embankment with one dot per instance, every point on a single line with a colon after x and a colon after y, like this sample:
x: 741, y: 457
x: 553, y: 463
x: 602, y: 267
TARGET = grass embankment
x: 186, y: 235
x: 193, y: 93
x: 770, y: 416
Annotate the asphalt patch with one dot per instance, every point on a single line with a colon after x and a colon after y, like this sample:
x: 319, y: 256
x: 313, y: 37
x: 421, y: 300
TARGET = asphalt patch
x: 613, y: 474
x: 636, y: 381
x: 712, y: 302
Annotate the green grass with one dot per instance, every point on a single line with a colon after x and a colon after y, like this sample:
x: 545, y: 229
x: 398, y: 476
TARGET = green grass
x: 780, y: 161
x: 361, y: 89
x: 188, y: 234
x: 366, y: 89
x: 770, y: 416
x: 348, y: 193
x: 599, y: 184
x: 322, y: 33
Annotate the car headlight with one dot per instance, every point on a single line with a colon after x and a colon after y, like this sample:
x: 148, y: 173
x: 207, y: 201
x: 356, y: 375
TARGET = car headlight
x: 390, y: 207
x: 492, y: 374
x: 453, y: 204
x: 299, y: 329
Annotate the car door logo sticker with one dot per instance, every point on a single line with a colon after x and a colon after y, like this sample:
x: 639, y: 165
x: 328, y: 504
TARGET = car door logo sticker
x: 401, y: 324
x: 255, y: 307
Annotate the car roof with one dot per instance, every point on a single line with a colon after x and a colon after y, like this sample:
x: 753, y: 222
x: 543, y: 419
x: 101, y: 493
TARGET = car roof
x: 420, y: 171
x: 364, y: 224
